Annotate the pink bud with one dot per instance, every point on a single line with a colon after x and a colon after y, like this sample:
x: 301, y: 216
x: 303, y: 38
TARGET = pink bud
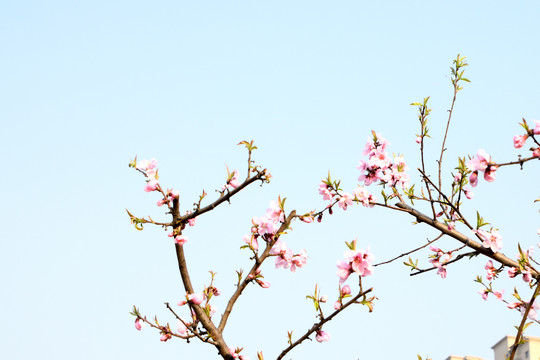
x: 418, y: 139
x: 519, y: 140
x: 536, y: 130
x: 322, y: 336
x: 473, y: 178
x: 182, y: 329
x: 151, y: 185
x: 263, y: 284
x: 323, y: 299
x: 180, y: 239
x: 337, y: 305
x: 468, y: 193
x: 138, y: 324
x: 346, y: 290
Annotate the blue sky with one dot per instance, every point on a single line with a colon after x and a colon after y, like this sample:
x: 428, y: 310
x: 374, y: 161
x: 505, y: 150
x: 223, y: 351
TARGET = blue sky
x: 86, y: 86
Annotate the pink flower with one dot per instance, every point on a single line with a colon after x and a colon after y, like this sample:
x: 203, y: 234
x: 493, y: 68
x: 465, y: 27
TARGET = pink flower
x: 145, y: 165
x: 536, y: 130
x: 285, y: 255
x: 526, y: 275
x: 180, y: 239
x: 298, y: 260
x: 252, y: 242
x: 514, y: 305
x: 345, y: 200
x: 182, y: 329
x: 165, y: 337
x: 489, y: 174
x: 480, y: 161
x: 491, y: 240
x: 196, y: 299
x: 499, y: 294
x: 532, y: 312
x: 512, y: 272
x: 442, y: 271
x: 361, y: 194
x: 151, y: 185
x: 519, y: 140
x: 161, y: 202
x: 274, y: 212
x: 232, y: 180
x: 324, y: 191
x: 139, y: 324
x: 491, y: 271
x: 322, y: 336
x: 344, y: 270
x: 484, y: 293
x: 361, y: 261
x: 264, y: 225
x: 468, y: 193
x: 377, y: 144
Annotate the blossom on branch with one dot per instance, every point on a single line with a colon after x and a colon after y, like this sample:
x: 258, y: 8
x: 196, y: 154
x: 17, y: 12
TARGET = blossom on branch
x: 357, y: 261
x: 322, y: 336
x: 491, y: 239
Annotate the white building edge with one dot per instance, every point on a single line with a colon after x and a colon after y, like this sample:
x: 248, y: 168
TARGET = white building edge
x: 530, y: 350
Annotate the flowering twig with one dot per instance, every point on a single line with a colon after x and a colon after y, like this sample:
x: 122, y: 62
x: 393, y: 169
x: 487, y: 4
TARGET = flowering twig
x: 410, y: 252
x: 318, y: 325
x: 420, y: 217
x: 258, y: 261
x: 522, y: 324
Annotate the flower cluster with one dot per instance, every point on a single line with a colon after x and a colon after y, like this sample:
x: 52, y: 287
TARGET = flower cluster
x: 524, y: 268
x: 439, y: 259
x: 522, y: 306
x: 481, y: 162
x: 379, y: 167
x: 258, y: 278
x: 344, y: 199
x: 285, y: 257
x: 486, y: 291
x: 149, y: 169
x: 265, y: 227
x: 357, y: 261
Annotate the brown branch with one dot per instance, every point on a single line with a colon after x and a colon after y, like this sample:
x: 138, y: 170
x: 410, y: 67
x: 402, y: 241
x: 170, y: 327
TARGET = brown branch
x: 194, y: 331
x: 318, y: 325
x: 410, y: 252
x: 205, y: 320
x: 259, y: 176
x: 517, y: 162
x: 459, y: 257
x: 519, y: 335
x: 501, y: 258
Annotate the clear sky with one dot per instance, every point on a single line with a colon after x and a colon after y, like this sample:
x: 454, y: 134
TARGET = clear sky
x: 87, y: 85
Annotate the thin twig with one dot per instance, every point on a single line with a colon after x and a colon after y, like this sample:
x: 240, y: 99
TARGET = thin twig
x: 318, y: 325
